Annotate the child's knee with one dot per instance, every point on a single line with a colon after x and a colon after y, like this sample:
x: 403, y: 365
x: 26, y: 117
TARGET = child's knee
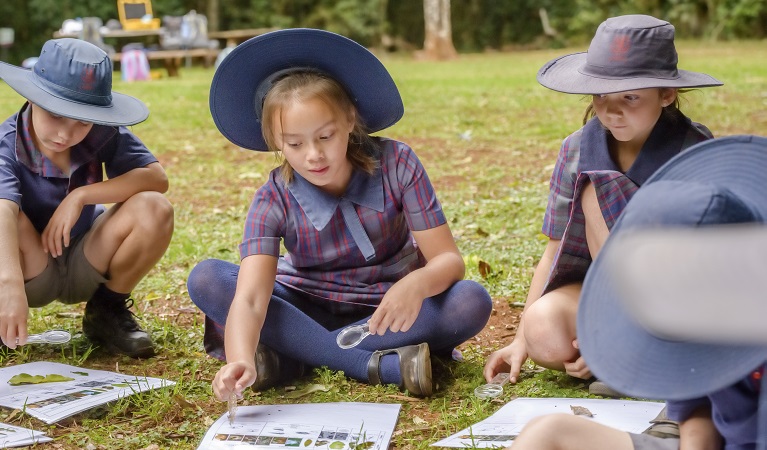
x: 549, y: 332
x: 472, y: 304
x: 548, y: 431
x: 157, y: 207
x: 202, y: 279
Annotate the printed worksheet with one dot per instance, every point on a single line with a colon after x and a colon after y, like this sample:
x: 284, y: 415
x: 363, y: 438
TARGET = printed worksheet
x: 500, y: 429
x: 53, y: 391
x: 13, y: 436
x: 319, y: 426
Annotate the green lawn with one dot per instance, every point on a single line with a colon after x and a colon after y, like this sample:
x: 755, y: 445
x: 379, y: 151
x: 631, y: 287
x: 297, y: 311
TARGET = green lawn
x: 488, y: 135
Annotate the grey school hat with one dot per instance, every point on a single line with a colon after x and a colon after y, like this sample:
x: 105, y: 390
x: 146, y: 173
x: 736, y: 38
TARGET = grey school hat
x: 627, y: 53
x: 719, y: 182
x: 73, y: 78
x: 244, y: 77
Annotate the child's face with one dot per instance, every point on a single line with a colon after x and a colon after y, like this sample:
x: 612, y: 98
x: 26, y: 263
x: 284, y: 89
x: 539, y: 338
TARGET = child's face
x: 55, y: 134
x: 314, y: 138
x: 631, y: 115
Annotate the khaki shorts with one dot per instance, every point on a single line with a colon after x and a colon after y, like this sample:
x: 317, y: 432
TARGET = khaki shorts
x: 70, y: 278
x: 647, y: 442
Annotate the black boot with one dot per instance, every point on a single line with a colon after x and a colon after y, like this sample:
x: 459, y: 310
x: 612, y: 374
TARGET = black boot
x: 109, y: 322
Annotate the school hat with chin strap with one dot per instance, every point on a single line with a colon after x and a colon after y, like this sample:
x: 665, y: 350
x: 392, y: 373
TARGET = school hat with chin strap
x: 245, y: 76
x: 73, y: 78
x: 719, y: 182
x: 627, y: 53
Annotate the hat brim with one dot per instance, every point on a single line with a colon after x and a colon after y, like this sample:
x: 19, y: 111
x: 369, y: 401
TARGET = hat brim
x: 625, y: 355
x: 233, y: 89
x: 563, y: 74
x: 124, y: 110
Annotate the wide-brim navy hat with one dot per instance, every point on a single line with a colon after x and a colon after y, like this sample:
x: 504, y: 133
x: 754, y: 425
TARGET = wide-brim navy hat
x: 73, y: 78
x: 627, y: 53
x: 236, y: 100
x: 716, y: 182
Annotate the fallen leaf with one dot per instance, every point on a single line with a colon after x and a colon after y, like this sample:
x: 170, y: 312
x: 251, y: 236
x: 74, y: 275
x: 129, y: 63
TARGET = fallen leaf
x: 581, y: 411
x: 418, y: 421
x: 484, y: 269
x: 307, y: 390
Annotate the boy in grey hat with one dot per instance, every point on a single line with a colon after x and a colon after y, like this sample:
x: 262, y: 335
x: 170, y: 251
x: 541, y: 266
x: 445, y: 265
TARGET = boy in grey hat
x: 57, y: 240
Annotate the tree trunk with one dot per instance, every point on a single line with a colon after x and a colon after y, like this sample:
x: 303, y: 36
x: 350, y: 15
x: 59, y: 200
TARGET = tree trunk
x: 212, y: 13
x: 438, y: 44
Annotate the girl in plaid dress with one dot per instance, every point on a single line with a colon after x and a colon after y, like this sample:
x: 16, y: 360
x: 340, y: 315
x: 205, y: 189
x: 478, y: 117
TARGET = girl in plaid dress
x: 365, y: 235
x: 632, y: 127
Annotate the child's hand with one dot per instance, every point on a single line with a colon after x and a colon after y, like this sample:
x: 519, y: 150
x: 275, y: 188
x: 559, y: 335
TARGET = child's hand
x: 397, y: 311
x: 577, y: 368
x: 234, y: 377
x: 56, y: 234
x: 509, y: 358
x: 13, y: 316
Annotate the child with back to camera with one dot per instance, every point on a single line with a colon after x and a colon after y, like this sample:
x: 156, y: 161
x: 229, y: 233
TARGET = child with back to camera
x: 57, y: 239
x: 714, y: 386
x: 630, y: 72
x: 365, y: 235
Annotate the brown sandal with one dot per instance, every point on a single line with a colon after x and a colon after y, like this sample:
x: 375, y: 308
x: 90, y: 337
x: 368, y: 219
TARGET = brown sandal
x: 273, y: 369
x: 414, y: 365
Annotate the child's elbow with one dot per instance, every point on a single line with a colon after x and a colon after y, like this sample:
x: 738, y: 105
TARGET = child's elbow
x: 163, y: 184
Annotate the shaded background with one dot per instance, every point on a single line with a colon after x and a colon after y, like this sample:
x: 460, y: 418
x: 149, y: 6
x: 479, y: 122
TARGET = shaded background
x: 397, y: 25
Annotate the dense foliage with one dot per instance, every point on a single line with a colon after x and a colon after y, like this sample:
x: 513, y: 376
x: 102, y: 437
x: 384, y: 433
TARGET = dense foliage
x: 398, y: 24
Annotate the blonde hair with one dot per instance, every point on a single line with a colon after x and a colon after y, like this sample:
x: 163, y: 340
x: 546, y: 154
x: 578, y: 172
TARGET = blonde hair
x: 302, y: 86
x: 673, y: 108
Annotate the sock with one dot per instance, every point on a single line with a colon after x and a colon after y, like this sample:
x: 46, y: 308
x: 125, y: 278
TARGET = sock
x: 105, y: 295
x: 389, y: 369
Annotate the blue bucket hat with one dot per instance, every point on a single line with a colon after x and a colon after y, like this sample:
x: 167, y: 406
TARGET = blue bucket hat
x: 716, y: 182
x: 627, y: 53
x: 244, y: 77
x: 73, y: 78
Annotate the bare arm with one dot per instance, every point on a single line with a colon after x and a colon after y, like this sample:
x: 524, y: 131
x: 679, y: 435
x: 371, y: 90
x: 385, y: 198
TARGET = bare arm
x: 118, y: 189
x: 514, y: 355
x: 444, y: 266
x: 244, y: 323
x: 115, y: 190
x: 13, y: 299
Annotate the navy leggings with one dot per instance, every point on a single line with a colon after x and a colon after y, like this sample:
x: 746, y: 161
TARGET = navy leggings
x: 301, y: 330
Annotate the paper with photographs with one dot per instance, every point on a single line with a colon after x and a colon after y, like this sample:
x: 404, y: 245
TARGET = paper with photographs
x: 500, y: 429
x: 58, y: 390
x: 317, y: 426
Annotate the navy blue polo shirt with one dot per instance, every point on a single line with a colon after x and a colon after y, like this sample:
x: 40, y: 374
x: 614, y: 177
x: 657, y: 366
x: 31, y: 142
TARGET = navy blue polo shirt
x: 33, y: 182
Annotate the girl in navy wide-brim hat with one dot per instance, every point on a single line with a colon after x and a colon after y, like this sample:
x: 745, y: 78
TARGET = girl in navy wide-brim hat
x: 365, y: 235
x: 633, y: 125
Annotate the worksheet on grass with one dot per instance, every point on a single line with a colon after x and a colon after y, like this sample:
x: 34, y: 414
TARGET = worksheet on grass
x: 13, y: 436
x: 321, y: 426
x: 500, y: 429
x: 53, y: 401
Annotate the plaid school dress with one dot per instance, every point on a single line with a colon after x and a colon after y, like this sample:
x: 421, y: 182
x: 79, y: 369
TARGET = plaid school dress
x: 584, y: 156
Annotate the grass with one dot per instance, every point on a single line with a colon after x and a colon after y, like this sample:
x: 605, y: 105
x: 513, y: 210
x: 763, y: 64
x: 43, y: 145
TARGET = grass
x: 488, y: 135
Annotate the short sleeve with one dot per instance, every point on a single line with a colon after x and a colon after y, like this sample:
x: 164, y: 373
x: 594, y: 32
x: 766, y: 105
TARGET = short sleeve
x: 562, y: 187
x: 10, y: 188
x: 420, y: 204
x: 266, y: 222
x: 125, y: 152
x: 681, y: 410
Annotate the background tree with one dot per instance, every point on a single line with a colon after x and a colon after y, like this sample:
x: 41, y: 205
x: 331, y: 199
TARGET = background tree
x: 438, y: 43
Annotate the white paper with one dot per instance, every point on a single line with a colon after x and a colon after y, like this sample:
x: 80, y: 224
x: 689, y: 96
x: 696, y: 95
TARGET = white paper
x: 13, y: 436
x: 500, y: 429
x: 51, y: 402
x: 320, y: 426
